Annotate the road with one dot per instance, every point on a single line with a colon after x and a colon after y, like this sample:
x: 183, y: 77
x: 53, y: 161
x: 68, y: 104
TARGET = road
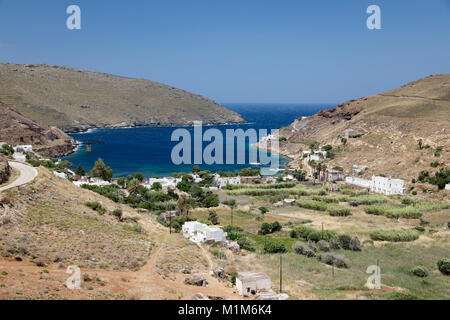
x: 27, y: 175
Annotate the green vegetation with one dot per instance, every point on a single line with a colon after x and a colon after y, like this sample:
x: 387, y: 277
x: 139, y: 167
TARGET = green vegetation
x: 440, y: 178
x: 7, y: 150
x: 420, y: 271
x: 96, y: 206
x: 444, y: 266
x: 79, y: 171
x: 268, y: 228
x: 394, y: 211
x: 395, y: 235
x: 308, y: 233
x: 101, y: 171
x: 338, y: 211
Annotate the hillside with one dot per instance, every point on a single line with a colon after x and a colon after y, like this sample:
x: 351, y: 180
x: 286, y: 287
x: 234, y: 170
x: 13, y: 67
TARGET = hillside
x: 76, y: 100
x: 389, y: 127
x: 17, y: 129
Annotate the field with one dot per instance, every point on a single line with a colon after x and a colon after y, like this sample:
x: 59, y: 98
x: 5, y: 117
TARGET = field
x: 421, y: 244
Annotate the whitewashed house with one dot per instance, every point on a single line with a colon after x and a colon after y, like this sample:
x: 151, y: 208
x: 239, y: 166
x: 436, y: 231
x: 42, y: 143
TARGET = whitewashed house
x: 382, y: 185
x: 359, y: 168
x: 166, y: 183
x: 447, y: 187
x: 388, y: 186
x: 25, y: 148
x: 350, y: 133
x: 92, y: 182
x: 305, y: 153
x: 252, y: 283
x: 199, y: 232
x: 223, y: 182
x: 60, y: 174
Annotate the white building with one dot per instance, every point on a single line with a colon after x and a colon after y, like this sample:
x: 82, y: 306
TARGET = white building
x: 166, y: 183
x: 447, y: 187
x: 305, y: 153
x: 199, y: 232
x: 252, y: 283
x: 25, y: 148
x: 60, y: 174
x: 350, y: 133
x: 382, y: 185
x: 387, y: 186
x: 359, y: 168
x: 318, y: 155
x: 92, y: 182
x: 223, y: 182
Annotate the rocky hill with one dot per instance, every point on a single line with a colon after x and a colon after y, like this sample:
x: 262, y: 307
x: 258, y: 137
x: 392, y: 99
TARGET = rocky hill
x: 17, y: 129
x: 398, y: 133
x: 76, y: 100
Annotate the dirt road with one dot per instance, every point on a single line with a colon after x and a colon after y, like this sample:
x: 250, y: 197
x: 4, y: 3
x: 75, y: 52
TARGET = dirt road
x: 27, y: 175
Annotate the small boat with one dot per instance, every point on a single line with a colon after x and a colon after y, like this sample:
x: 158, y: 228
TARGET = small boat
x: 255, y: 164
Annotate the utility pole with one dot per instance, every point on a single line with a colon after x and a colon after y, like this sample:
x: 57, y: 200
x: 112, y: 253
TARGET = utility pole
x: 170, y: 223
x: 231, y: 216
x: 281, y: 274
x: 322, y: 230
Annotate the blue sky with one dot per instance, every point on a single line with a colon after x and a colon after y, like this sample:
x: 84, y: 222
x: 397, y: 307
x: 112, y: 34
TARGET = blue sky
x: 238, y: 50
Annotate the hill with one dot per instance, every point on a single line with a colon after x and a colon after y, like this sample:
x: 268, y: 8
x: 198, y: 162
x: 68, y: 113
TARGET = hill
x: 399, y: 133
x: 76, y: 100
x: 17, y: 129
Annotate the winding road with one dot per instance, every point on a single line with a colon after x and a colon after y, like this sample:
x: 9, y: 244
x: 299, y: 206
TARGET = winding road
x: 27, y: 175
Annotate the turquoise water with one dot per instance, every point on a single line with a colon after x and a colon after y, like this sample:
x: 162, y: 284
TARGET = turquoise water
x: 148, y: 149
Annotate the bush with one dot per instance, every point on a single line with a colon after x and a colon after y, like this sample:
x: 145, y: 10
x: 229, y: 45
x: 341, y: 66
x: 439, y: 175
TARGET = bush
x: 274, y: 246
x: 314, y: 236
x: 312, y: 205
x: 96, y: 206
x: 303, y: 249
x: 267, y: 228
x: 444, y: 266
x: 420, y: 272
x: 355, y: 244
x: 344, y: 241
x: 324, y: 246
x: 395, y: 235
x: 334, y: 244
x: 263, y: 210
x: 338, y: 211
x: 334, y: 259
x: 118, y: 214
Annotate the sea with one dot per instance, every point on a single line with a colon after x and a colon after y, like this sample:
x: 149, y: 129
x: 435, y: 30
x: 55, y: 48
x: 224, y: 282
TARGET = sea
x: 148, y: 149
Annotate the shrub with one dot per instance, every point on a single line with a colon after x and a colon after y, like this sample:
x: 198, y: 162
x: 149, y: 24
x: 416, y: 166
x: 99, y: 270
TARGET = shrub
x: 344, y: 241
x: 395, y: 235
x: 419, y: 228
x: 303, y: 249
x: 334, y: 244
x: 400, y: 296
x: 118, y: 214
x: 274, y: 246
x: 311, y: 204
x: 355, y: 244
x: 334, y: 259
x: 267, y: 228
x: 96, y: 206
x: 394, y: 211
x: 324, y: 246
x: 314, y: 236
x: 420, y: 272
x: 444, y: 266
x: 304, y: 231
x: 263, y: 210
x: 338, y: 211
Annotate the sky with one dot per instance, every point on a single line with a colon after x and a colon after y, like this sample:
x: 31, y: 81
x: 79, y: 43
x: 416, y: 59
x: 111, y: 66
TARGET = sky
x: 283, y: 51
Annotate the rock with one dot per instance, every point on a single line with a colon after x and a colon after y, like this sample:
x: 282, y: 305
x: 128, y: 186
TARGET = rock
x: 196, y: 281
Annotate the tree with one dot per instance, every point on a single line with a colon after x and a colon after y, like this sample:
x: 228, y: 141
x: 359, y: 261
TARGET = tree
x: 133, y: 186
x: 100, y: 171
x: 139, y: 176
x: 121, y: 182
x: 80, y: 171
x: 344, y: 141
x: 184, y: 205
x: 64, y: 165
x: 195, y: 169
x: 213, y: 218
x: 314, y: 145
x: 157, y: 186
x: 300, y: 175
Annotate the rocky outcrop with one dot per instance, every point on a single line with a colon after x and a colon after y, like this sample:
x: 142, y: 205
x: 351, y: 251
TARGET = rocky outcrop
x: 387, y: 128
x: 15, y: 129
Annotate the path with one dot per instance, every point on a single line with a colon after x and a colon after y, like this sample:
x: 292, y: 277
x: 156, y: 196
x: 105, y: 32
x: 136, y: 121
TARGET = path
x: 27, y: 175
